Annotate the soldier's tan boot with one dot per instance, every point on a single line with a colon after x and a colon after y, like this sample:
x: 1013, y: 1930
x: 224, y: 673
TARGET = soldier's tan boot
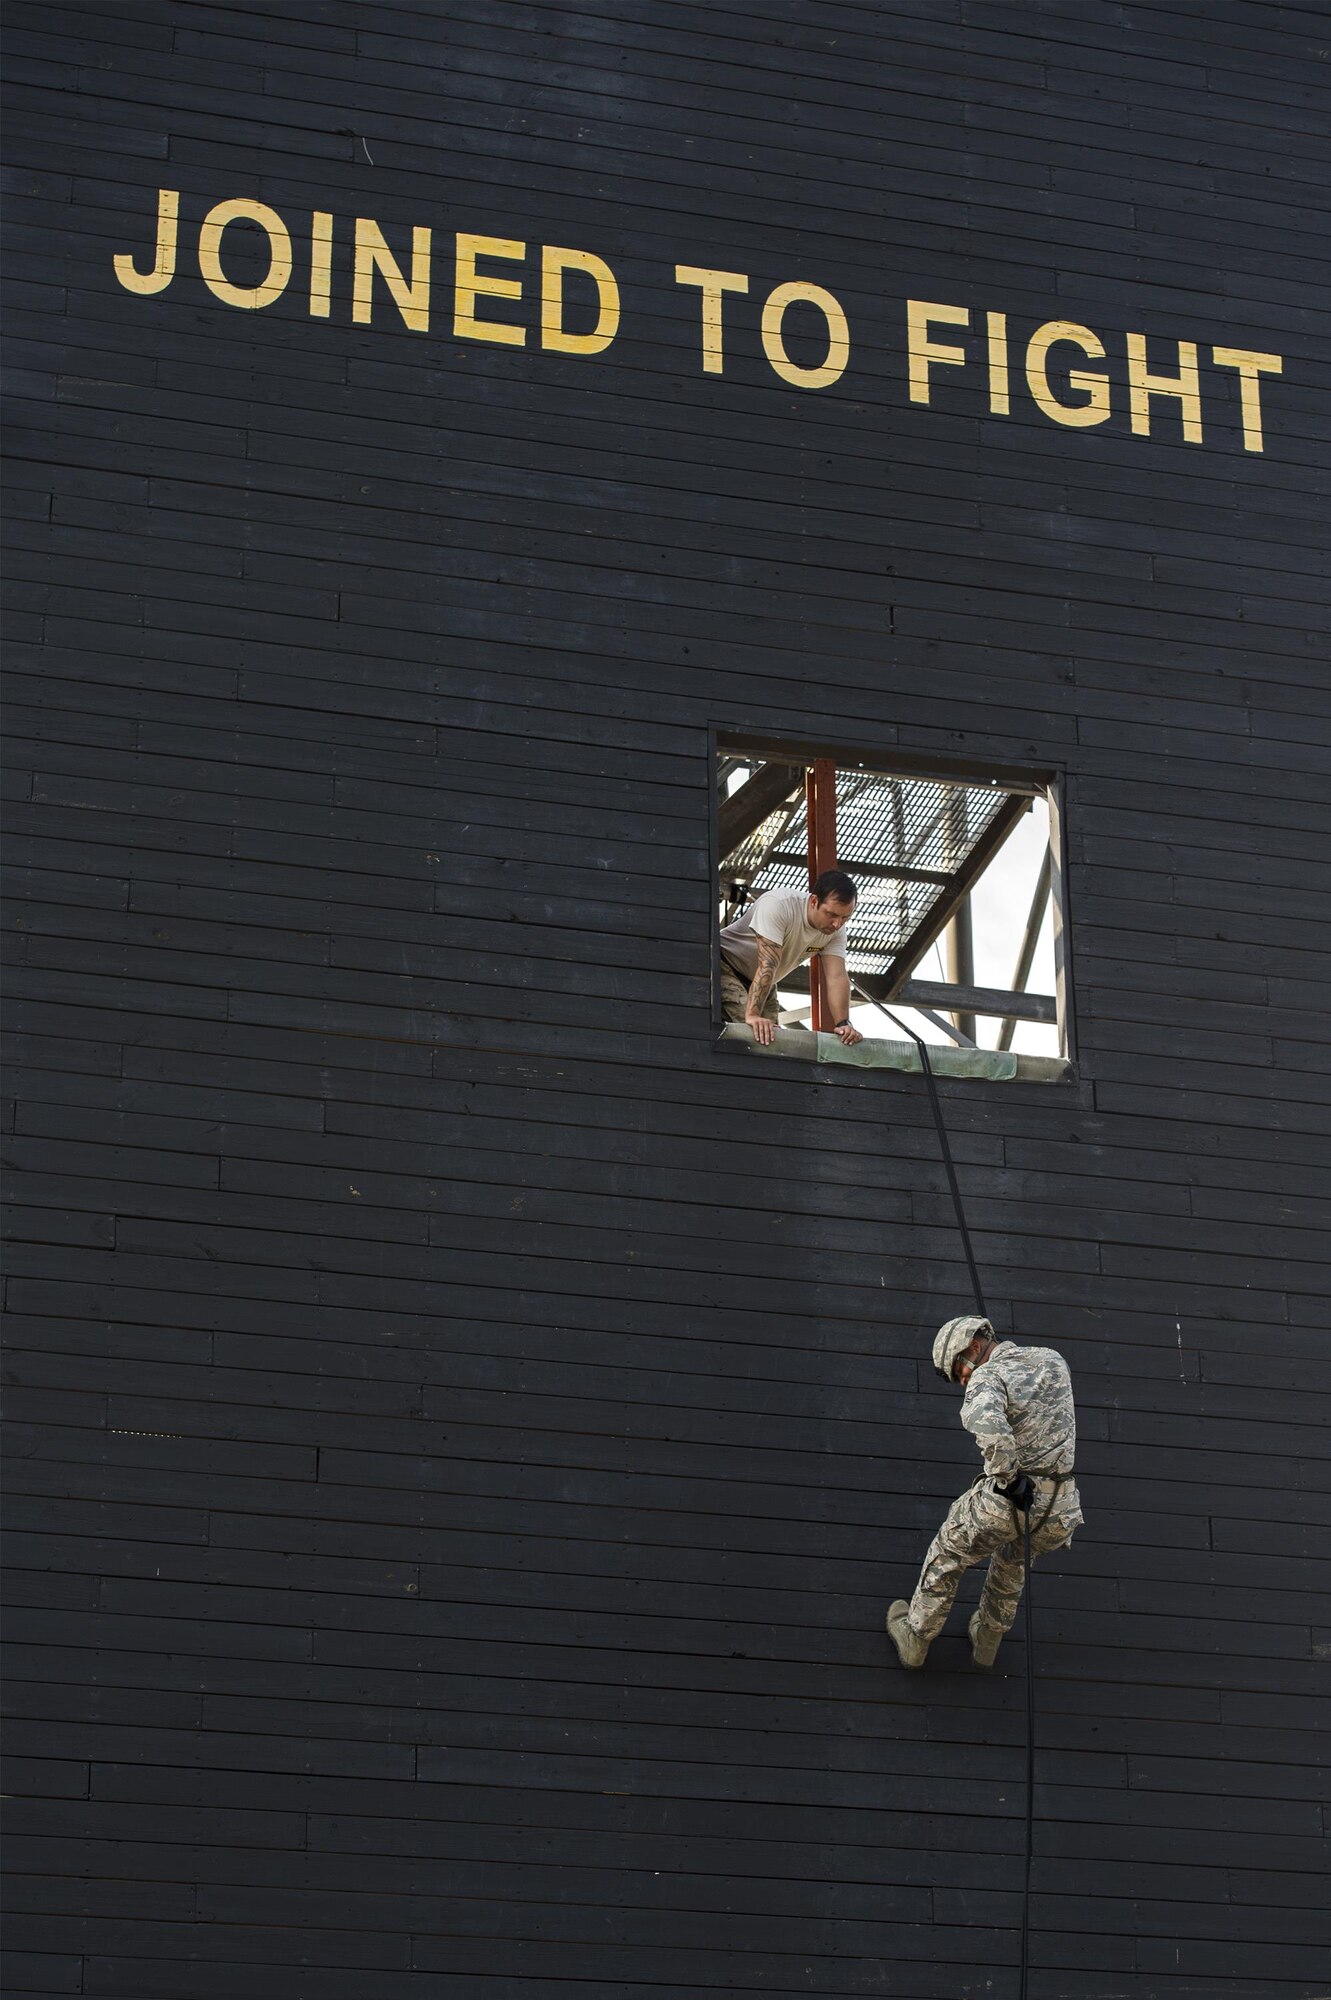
x: 985, y: 1641
x: 911, y: 1648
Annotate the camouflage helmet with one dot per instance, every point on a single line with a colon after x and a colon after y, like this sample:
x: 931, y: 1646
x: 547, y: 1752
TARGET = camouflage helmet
x: 952, y: 1340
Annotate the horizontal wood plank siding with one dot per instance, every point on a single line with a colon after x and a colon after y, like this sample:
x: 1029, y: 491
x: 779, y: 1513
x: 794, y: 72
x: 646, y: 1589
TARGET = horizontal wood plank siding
x: 465, y: 1427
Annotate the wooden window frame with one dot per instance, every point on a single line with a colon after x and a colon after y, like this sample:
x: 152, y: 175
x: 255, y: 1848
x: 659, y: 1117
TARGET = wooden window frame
x: 900, y: 760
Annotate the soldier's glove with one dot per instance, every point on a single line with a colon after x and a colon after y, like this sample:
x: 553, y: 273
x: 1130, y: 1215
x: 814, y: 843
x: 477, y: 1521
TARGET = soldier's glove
x: 1020, y: 1491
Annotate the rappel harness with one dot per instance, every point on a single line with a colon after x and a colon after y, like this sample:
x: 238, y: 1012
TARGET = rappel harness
x: 1021, y: 1516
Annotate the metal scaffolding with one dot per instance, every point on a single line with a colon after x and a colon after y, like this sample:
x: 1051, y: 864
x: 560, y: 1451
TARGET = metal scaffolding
x: 916, y: 843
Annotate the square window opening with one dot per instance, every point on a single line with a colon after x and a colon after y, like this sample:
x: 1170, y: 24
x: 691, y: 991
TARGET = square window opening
x: 960, y: 924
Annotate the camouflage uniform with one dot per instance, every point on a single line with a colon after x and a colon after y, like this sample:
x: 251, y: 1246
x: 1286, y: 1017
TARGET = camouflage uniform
x: 1018, y: 1405
x: 735, y: 997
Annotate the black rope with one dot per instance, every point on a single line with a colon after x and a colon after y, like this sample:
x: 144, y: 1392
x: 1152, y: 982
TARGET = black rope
x: 946, y: 1149
x: 1030, y: 1770
x: 932, y: 1082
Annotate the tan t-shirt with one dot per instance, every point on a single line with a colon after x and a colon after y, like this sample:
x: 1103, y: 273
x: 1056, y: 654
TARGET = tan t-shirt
x: 779, y: 916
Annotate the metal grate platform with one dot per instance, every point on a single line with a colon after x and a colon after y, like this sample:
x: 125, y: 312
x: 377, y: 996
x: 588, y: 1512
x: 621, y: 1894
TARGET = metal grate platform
x: 914, y: 844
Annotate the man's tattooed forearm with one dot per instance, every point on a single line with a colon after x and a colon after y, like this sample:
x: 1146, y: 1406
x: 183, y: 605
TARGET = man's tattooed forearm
x: 764, y: 979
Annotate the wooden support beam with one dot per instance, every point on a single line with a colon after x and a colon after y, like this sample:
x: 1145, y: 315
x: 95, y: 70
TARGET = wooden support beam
x: 887, y: 870
x: 961, y: 964
x: 977, y: 1000
x: 1030, y: 938
x: 745, y: 810
x: 1058, y: 896
x: 941, y: 1021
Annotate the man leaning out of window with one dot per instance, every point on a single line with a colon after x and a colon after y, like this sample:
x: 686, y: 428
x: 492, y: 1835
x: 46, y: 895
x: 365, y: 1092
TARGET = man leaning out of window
x: 777, y: 932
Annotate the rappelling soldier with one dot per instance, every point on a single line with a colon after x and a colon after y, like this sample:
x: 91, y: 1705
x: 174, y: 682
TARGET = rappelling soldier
x: 1018, y: 1406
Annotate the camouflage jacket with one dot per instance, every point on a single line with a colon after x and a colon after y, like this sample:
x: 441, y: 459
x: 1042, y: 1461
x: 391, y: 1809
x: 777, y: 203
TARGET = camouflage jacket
x: 1018, y: 1408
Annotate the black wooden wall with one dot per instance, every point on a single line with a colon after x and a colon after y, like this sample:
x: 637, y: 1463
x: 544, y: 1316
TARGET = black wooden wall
x: 467, y: 1427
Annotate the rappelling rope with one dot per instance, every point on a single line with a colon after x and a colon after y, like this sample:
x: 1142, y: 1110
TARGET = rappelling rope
x: 946, y: 1150
x: 1030, y: 1765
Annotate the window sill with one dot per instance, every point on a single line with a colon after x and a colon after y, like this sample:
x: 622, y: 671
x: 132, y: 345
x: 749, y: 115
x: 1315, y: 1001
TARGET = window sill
x: 986, y: 1065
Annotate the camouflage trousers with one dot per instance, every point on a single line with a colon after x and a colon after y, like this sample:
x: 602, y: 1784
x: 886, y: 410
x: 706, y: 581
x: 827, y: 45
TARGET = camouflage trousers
x: 735, y: 996
x: 982, y: 1523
